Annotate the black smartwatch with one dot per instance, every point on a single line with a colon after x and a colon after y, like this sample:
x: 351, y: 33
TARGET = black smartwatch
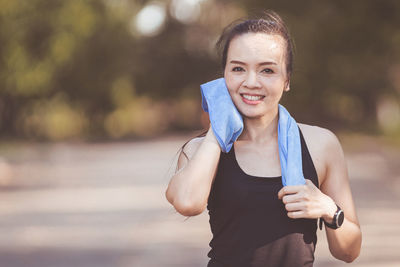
x: 338, y: 219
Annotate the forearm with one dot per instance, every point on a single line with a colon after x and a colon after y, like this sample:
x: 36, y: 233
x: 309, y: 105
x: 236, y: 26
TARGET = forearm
x: 189, y: 188
x: 345, y: 242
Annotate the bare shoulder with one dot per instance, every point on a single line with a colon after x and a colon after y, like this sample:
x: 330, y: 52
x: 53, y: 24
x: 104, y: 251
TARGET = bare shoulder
x: 324, y: 148
x: 319, y: 137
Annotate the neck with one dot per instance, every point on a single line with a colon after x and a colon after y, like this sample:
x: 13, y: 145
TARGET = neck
x: 261, y: 129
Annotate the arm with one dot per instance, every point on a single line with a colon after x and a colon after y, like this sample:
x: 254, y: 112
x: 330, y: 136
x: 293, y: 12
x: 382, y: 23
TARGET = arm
x: 307, y: 201
x: 190, y: 187
x: 345, y: 242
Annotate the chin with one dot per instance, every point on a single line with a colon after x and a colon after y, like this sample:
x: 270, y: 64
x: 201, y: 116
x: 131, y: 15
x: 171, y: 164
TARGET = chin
x: 251, y: 115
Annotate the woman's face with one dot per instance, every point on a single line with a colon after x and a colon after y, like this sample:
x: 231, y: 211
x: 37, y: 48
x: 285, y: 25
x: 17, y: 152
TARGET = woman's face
x: 255, y: 73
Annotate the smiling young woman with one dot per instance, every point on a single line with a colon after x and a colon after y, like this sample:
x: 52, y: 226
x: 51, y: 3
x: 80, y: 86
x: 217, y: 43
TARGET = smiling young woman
x: 255, y: 73
x: 255, y: 220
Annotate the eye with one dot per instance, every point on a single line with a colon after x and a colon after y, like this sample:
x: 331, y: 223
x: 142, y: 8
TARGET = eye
x: 237, y: 69
x: 267, y: 70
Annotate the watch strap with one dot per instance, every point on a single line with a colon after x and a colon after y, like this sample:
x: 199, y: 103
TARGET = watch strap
x: 334, y: 224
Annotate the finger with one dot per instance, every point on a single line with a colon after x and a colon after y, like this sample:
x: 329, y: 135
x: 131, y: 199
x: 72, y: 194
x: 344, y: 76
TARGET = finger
x: 296, y: 214
x: 290, y: 189
x: 291, y: 198
x: 296, y: 206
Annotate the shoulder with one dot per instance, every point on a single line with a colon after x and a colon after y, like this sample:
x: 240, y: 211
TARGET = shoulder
x: 324, y: 147
x: 320, y: 137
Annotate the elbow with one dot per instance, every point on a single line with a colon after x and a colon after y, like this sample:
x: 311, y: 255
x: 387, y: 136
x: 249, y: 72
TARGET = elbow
x: 350, y: 254
x: 189, y: 210
x: 185, y: 207
x: 168, y: 196
x: 350, y: 257
x: 347, y: 257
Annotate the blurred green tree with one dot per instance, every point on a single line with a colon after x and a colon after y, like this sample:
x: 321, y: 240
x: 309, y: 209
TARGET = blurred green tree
x: 84, y: 69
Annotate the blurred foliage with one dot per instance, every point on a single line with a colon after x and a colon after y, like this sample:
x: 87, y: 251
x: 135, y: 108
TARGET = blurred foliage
x: 83, y: 69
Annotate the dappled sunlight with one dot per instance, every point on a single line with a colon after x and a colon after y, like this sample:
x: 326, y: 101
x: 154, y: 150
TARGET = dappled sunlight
x: 144, y: 117
x: 346, y: 107
x: 186, y: 11
x: 388, y: 114
x: 55, y: 119
x: 140, y: 117
x: 150, y: 19
x: 112, y: 60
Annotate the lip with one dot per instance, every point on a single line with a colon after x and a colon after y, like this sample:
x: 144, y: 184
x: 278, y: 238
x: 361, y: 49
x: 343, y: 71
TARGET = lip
x: 250, y: 94
x: 252, y: 102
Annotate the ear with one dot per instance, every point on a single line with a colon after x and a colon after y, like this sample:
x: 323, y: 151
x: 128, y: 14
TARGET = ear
x: 287, y: 86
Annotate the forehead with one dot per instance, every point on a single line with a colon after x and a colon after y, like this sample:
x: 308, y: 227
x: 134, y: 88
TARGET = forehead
x: 257, y: 47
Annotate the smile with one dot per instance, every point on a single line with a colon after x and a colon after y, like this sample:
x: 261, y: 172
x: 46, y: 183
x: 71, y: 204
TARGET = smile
x: 252, y: 99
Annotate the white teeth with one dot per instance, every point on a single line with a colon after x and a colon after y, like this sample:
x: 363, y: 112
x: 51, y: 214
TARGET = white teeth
x: 252, y: 97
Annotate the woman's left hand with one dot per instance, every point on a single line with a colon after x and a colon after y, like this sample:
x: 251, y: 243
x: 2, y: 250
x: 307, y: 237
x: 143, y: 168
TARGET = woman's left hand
x: 307, y: 201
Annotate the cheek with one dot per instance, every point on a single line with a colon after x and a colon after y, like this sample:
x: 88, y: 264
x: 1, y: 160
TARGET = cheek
x: 233, y: 86
x: 275, y: 86
x: 232, y: 82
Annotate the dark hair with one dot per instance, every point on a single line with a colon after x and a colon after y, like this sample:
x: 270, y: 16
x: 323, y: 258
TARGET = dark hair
x: 270, y: 23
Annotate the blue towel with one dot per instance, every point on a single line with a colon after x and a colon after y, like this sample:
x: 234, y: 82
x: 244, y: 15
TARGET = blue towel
x: 289, y: 149
x: 227, y: 125
x: 226, y: 121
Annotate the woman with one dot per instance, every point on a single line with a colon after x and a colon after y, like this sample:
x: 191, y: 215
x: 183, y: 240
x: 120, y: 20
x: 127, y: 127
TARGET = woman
x: 255, y: 220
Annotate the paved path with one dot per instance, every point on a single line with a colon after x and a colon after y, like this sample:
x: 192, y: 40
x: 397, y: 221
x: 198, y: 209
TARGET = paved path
x: 103, y: 205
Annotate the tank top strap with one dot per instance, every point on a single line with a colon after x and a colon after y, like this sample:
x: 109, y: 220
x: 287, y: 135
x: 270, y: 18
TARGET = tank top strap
x: 309, y: 170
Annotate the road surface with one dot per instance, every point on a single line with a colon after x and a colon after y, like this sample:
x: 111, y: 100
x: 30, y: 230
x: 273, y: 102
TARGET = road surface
x: 97, y: 205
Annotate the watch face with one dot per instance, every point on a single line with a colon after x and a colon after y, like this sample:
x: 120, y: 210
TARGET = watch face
x: 340, y: 218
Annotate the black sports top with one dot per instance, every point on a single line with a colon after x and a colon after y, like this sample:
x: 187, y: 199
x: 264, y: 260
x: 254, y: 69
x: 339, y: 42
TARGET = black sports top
x: 249, y: 223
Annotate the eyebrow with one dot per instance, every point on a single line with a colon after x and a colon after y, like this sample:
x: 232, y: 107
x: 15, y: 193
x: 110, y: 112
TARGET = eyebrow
x: 260, y: 64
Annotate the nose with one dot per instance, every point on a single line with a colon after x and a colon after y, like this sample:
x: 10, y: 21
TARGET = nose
x: 251, y: 80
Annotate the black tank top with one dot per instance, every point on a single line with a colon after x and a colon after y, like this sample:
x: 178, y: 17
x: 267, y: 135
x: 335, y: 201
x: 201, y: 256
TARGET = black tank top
x: 249, y: 223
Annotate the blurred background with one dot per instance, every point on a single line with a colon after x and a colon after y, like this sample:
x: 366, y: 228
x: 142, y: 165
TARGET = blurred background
x: 97, y: 96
